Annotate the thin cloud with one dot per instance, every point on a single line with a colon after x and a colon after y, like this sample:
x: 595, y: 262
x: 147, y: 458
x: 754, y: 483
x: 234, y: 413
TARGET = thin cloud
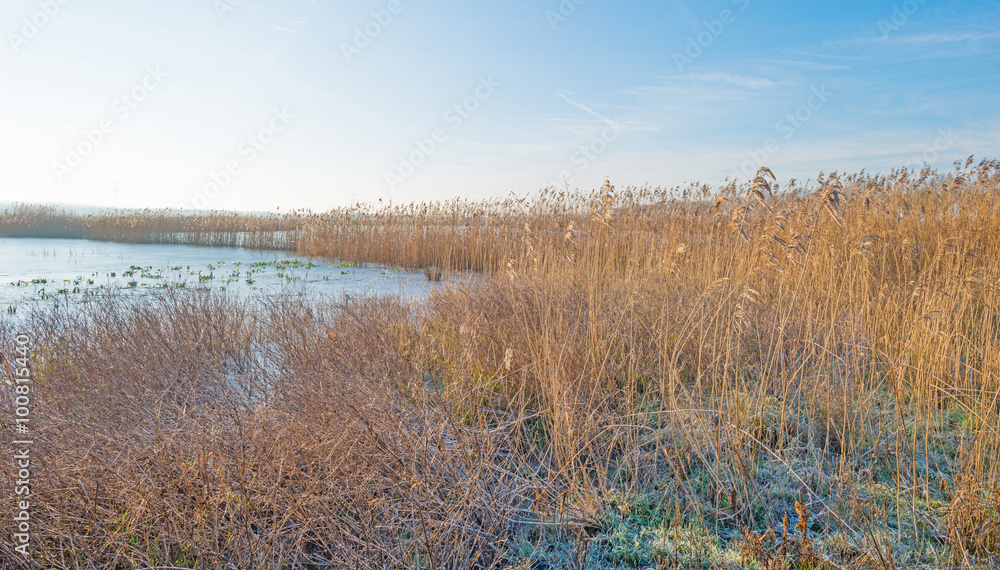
x: 810, y: 65
x: 931, y: 39
x: 617, y: 123
x: 714, y: 86
x: 290, y: 26
x: 513, y: 148
x: 948, y: 37
x: 587, y: 109
x: 734, y: 79
x: 691, y: 92
x: 557, y: 123
x: 829, y: 56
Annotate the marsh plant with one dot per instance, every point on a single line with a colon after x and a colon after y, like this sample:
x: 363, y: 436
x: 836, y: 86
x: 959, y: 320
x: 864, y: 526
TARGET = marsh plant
x: 742, y: 377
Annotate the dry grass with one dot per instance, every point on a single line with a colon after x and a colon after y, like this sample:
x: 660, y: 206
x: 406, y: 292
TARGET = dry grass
x: 755, y: 377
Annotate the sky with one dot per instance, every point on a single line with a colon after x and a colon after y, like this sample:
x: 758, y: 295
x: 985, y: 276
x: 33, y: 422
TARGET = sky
x: 314, y: 104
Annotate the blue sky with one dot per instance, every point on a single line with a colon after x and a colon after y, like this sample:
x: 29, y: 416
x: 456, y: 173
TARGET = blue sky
x: 255, y: 105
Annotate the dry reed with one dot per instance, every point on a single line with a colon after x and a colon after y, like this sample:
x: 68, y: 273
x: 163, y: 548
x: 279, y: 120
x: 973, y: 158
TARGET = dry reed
x: 794, y: 377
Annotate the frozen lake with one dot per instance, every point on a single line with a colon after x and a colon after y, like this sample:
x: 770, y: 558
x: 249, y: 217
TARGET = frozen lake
x: 63, y: 270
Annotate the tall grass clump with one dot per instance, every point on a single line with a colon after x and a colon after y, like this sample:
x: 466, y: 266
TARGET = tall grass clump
x: 751, y: 376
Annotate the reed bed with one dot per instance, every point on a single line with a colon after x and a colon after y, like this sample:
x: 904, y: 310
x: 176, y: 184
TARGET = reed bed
x: 741, y: 377
x: 219, y: 229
